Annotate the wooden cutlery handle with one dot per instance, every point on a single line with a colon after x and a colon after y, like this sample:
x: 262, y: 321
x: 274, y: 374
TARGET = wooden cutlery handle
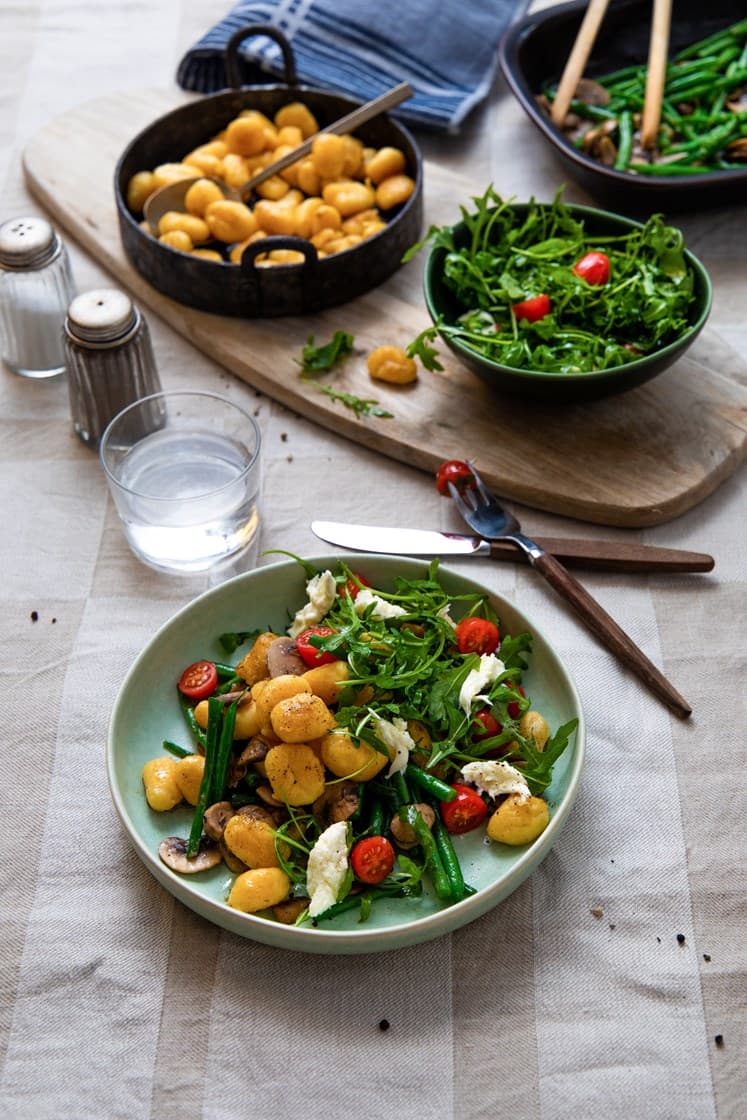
x: 611, y: 556
x: 604, y: 627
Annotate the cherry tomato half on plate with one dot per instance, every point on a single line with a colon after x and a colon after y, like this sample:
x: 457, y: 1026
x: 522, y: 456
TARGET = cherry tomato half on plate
x: 594, y: 268
x: 513, y: 705
x: 372, y: 859
x: 477, y: 635
x: 465, y: 812
x: 458, y: 473
x: 486, y: 725
x: 198, y: 680
x: 533, y: 309
x: 351, y: 587
x: 309, y: 653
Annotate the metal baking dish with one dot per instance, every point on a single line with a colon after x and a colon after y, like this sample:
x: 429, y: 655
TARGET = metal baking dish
x: 534, y: 51
x: 246, y: 290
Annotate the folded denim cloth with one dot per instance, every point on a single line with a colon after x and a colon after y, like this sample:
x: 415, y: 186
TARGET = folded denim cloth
x: 445, y: 50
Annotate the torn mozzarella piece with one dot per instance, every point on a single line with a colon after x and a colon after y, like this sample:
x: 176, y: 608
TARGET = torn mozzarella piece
x: 495, y: 778
x: 321, y: 591
x: 489, y: 670
x: 327, y: 868
x: 381, y: 608
x: 445, y: 613
x: 396, y: 738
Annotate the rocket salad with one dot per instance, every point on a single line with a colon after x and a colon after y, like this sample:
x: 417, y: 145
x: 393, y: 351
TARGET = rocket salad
x: 325, y: 788
x: 540, y: 292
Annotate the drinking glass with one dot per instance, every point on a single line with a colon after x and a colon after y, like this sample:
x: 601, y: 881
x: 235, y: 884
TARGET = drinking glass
x: 184, y: 470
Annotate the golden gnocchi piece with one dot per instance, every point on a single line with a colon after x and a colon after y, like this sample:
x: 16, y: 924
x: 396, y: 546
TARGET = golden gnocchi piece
x: 177, y: 239
x: 253, y: 666
x: 247, y: 721
x: 383, y: 163
x: 295, y: 773
x: 139, y: 189
x: 207, y: 254
x: 298, y: 115
x: 390, y: 363
x: 200, y: 195
x: 393, y: 191
x: 347, y: 759
x: 230, y: 221
x: 175, y: 220
x: 188, y: 774
x: 348, y: 196
x: 246, y: 135
x: 301, y: 717
x: 275, y: 217
x: 252, y: 841
x: 259, y: 889
x: 327, y: 681
x: 328, y: 155
x: 272, y: 691
x: 518, y: 820
x: 532, y: 725
x: 167, y: 173
x: 162, y: 790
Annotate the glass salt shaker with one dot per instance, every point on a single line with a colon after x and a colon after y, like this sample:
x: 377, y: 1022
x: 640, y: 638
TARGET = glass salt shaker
x: 36, y: 287
x: 110, y: 360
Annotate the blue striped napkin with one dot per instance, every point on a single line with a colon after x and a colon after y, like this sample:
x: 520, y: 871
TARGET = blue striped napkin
x: 445, y: 49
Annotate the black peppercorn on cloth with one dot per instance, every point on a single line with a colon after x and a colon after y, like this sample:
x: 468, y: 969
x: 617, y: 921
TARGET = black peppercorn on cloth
x: 446, y: 51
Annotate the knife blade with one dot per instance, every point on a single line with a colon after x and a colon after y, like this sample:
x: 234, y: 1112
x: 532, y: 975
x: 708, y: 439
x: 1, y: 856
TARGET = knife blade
x: 611, y: 556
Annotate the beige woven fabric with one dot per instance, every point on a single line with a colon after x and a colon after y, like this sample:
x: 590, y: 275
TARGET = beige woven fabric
x: 115, y: 1000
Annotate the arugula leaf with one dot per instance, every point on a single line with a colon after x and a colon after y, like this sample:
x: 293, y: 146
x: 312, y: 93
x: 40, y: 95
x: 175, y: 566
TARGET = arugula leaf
x: 319, y: 358
x: 361, y: 407
x: 419, y: 348
x: 231, y: 640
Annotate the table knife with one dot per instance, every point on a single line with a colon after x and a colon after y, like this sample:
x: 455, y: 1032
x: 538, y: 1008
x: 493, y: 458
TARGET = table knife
x: 612, y: 556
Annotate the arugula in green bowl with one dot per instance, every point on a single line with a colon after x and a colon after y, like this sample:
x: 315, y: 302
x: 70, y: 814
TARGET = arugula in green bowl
x: 558, y: 290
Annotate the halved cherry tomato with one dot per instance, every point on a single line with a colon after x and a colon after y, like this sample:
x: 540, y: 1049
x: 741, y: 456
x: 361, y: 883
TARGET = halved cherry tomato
x: 533, y: 309
x: 513, y: 705
x: 477, y: 635
x: 458, y: 473
x: 465, y: 812
x: 489, y: 723
x: 594, y: 268
x: 351, y: 587
x: 372, y: 859
x: 198, y: 680
x: 309, y: 653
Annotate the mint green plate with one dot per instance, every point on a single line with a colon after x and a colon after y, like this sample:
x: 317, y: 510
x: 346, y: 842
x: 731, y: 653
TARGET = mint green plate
x: 147, y: 712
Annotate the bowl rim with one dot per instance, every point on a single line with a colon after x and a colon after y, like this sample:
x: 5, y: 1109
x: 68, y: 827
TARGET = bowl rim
x: 327, y: 941
x: 593, y: 376
x: 508, y: 57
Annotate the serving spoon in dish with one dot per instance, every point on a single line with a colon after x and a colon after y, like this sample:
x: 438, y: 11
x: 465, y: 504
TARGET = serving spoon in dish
x: 171, y: 197
x: 484, y: 513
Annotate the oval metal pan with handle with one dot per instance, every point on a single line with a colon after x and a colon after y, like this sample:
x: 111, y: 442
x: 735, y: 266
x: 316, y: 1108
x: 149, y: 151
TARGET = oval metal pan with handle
x: 246, y: 290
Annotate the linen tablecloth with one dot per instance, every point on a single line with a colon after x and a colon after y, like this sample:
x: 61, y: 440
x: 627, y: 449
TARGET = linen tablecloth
x: 611, y: 983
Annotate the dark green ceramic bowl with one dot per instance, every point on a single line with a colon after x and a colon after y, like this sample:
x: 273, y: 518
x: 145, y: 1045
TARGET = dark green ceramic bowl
x: 440, y: 300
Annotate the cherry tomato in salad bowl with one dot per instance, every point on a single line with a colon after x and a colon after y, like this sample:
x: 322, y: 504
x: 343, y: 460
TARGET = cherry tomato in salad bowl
x: 477, y: 635
x: 372, y: 859
x: 310, y: 654
x: 534, y: 308
x: 352, y: 585
x: 485, y: 720
x: 465, y: 812
x: 594, y: 268
x: 456, y: 472
x: 199, y: 680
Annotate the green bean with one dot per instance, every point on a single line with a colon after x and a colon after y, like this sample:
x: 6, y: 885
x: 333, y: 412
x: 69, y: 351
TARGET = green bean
x: 399, y: 785
x: 215, y: 712
x: 180, y: 752
x: 669, y: 169
x: 433, y: 861
x: 625, y: 140
x: 224, y: 752
x: 442, y: 791
x: 450, y: 860
x: 189, y: 715
x: 224, y: 671
x: 376, y: 818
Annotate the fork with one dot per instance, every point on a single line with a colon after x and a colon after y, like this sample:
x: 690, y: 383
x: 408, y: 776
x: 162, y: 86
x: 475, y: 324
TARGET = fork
x: 487, y: 517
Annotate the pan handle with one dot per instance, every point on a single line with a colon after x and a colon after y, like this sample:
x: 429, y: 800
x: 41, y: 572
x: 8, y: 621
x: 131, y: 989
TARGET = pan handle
x: 233, y: 60
x: 253, y: 275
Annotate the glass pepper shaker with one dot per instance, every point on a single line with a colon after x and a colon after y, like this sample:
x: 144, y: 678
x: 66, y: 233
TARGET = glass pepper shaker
x: 36, y: 287
x: 110, y: 360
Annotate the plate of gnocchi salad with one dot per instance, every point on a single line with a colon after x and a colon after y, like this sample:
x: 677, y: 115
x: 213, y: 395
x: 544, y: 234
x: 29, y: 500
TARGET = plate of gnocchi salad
x: 345, y: 755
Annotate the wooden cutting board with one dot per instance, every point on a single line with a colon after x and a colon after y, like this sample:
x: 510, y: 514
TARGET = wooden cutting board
x: 637, y: 459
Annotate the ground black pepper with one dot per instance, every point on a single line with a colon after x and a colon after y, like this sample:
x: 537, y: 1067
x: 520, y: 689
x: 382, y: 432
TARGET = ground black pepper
x: 384, y: 1025
x: 34, y: 616
x: 680, y: 939
x: 719, y: 1040
x: 706, y: 956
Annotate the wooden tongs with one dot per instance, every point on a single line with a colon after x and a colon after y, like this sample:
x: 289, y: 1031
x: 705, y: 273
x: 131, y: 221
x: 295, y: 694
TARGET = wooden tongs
x: 657, y: 66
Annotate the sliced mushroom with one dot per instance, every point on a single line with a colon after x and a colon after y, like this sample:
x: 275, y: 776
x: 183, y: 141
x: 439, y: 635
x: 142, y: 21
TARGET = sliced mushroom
x: 591, y: 93
x: 259, y: 813
x: 737, y: 149
x: 338, y: 802
x: 269, y: 798
x: 232, y: 862
x: 404, y: 834
x: 216, y: 818
x: 254, y: 751
x: 283, y: 658
x: 287, y: 912
x: 173, y: 852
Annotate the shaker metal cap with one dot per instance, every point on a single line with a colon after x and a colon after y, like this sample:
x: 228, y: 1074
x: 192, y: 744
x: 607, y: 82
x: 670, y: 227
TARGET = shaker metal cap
x: 27, y: 243
x: 101, y: 315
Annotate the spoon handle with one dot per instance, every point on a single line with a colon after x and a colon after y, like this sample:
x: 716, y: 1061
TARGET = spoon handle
x: 348, y: 123
x: 604, y: 627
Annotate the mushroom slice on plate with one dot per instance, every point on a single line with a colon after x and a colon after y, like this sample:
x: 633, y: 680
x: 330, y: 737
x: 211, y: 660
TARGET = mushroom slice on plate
x: 173, y: 852
x: 216, y: 818
x: 283, y: 658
